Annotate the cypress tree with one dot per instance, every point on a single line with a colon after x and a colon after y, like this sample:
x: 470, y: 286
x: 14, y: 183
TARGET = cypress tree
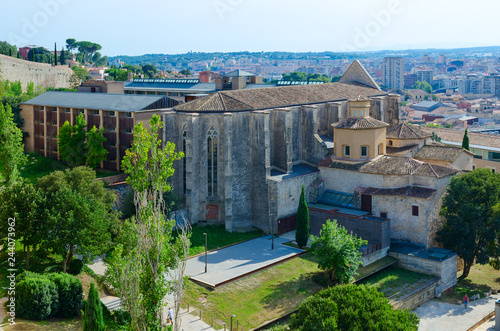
x: 10, y: 51
x: 18, y: 55
x: 302, y: 232
x: 62, y: 58
x: 465, y: 141
x: 92, y: 317
x: 55, y: 54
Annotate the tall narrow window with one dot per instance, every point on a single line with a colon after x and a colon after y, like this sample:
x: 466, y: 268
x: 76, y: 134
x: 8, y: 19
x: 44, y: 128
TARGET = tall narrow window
x: 184, y: 171
x: 212, y: 143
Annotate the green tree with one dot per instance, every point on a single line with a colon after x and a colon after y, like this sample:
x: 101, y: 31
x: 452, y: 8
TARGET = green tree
x: 423, y: 86
x: 351, y: 307
x: 471, y: 209
x: 70, y: 44
x: 6, y: 48
x: 92, y: 318
x: 79, y: 213
x: 55, y: 54
x: 435, y: 137
x: 185, y: 72
x: 11, y: 147
x: 40, y: 54
x: 137, y: 274
x: 337, y: 252
x: 79, y: 75
x: 302, y: 232
x: 465, y: 141
x: 149, y: 70
x: 25, y: 204
x: 62, y: 58
x: 95, y: 151
x: 71, y: 141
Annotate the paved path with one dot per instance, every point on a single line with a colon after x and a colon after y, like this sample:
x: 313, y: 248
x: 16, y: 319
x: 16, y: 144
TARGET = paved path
x: 239, y: 260
x: 441, y: 316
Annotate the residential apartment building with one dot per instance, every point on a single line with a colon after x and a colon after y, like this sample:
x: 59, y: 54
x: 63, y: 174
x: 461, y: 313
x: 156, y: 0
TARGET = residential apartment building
x: 425, y: 76
x: 116, y: 113
x: 393, y: 72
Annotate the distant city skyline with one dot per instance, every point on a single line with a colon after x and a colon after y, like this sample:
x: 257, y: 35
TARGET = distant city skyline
x: 124, y: 28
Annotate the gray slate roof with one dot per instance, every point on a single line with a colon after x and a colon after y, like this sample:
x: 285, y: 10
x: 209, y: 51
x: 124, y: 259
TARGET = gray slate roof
x: 411, y: 191
x: 102, y: 101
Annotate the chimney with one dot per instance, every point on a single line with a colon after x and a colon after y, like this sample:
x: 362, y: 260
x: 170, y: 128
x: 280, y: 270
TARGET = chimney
x: 130, y: 76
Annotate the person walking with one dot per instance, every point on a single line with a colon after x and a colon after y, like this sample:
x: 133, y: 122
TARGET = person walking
x: 466, y: 300
x: 171, y: 315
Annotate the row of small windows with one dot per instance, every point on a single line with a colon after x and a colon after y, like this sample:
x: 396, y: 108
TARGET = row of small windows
x: 94, y: 112
x: 363, y: 150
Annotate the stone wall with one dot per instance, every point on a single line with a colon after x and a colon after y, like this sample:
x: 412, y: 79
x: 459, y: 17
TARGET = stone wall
x: 446, y: 270
x: 414, y: 299
x: 43, y: 74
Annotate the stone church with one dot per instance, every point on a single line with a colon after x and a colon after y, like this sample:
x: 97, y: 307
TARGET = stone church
x: 248, y: 152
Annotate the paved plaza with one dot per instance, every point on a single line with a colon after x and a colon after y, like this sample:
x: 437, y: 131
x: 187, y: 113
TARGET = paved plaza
x: 441, y: 316
x: 231, y: 263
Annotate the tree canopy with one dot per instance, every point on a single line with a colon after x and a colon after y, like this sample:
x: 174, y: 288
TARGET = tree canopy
x: 351, y: 307
x: 337, y: 252
x: 302, y: 77
x: 423, y: 86
x: 471, y: 209
x: 465, y: 141
x: 11, y: 147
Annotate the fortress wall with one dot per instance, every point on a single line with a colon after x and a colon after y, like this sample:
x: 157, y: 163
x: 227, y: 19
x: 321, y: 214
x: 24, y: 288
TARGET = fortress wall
x: 14, y: 69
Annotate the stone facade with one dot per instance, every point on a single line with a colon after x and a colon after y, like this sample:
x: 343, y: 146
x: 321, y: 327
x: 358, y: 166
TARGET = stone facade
x: 254, y: 148
x: 42, y: 74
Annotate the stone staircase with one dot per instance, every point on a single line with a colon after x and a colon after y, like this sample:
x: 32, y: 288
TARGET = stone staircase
x: 112, y: 303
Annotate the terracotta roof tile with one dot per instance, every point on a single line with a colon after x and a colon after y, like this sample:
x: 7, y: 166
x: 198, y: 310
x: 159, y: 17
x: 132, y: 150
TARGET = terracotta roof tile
x: 475, y: 138
x: 274, y: 97
x: 392, y: 165
x: 443, y: 153
x: 360, y: 123
x: 405, y: 131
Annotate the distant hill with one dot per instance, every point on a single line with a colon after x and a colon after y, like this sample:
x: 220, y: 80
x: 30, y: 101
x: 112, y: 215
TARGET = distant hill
x: 182, y: 60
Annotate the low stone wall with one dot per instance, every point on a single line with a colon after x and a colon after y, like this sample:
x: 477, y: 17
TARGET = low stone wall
x: 375, y: 256
x: 114, y: 179
x: 446, y: 270
x: 420, y: 295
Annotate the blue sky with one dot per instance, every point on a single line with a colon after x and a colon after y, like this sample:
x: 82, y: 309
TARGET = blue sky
x: 138, y: 27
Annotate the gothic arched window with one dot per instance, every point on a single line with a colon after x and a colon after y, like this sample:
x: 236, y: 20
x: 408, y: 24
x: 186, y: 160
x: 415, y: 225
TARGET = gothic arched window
x: 212, y: 145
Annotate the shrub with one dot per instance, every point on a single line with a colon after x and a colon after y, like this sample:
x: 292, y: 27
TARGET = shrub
x: 351, y: 307
x: 69, y: 290
x: 93, y: 317
x: 75, y: 267
x: 36, y: 297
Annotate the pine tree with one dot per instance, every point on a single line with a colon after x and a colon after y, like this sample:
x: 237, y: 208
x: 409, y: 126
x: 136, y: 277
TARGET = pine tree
x: 302, y: 233
x: 92, y: 317
x: 465, y: 141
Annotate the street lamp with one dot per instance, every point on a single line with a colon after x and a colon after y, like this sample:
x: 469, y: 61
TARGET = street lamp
x: 232, y: 322
x: 205, y: 252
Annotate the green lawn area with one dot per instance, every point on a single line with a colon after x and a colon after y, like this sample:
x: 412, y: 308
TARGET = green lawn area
x: 392, y: 278
x: 258, y: 298
x: 217, y: 237
x: 53, y: 324
x: 39, y: 166
x: 481, y: 279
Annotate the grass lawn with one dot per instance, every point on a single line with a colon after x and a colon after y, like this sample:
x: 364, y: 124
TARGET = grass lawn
x: 258, y: 298
x: 53, y: 324
x: 39, y: 166
x: 217, y: 237
x: 481, y: 279
x: 386, y: 281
